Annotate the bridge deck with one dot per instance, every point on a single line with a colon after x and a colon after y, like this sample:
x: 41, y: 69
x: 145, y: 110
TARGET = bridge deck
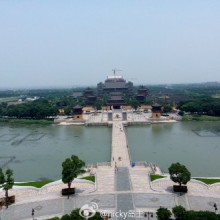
x: 120, y: 155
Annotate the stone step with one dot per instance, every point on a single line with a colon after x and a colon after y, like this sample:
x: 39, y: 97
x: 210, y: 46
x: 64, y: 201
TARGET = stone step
x: 140, y: 180
x: 105, y: 179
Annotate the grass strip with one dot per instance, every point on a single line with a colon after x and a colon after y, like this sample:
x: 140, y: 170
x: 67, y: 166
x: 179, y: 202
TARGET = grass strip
x: 37, y: 184
x: 90, y: 178
x: 208, y: 181
x: 26, y: 121
x: 155, y: 176
x: 200, y: 118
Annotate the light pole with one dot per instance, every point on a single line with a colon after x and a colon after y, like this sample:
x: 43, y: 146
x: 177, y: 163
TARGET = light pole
x: 215, y: 207
x: 148, y: 214
x: 32, y: 213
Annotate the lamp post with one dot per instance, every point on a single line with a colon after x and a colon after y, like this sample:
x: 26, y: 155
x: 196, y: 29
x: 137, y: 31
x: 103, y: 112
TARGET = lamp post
x: 215, y: 207
x: 148, y: 214
x: 32, y: 213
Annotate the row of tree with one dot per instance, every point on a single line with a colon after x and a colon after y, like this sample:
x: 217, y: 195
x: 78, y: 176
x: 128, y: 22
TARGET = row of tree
x: 38, y: 109
x: 75, y: 215
x: 43, y: 108
x: 208, y: 106
x: 181, y: 213
x: 162, y: 213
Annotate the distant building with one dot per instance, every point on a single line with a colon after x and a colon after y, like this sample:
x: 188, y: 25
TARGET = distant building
x: 115, y: 84
x: 89, y: 96
x: 77, y: 95
x: 77, y: 112
x: 115, y: 88
x: 141, y: 95
x: 145, y: 108
x: 61, y: 111
x: 88, y: 109
x: 156, y: 110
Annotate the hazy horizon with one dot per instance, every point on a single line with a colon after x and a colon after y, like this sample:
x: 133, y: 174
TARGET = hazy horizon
x: 94, y: 86
x: 47, y: 44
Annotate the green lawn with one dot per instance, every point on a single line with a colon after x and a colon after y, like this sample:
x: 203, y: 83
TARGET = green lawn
x: 9, y: 99
x: 37, y: 184
x: 200, y: 118
x: 91, y: 178
x: 155, y: 176
x: 26, y: 121
x: 208, y: 181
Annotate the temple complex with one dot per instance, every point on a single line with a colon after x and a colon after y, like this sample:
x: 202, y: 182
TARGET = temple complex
x: 114, y: 90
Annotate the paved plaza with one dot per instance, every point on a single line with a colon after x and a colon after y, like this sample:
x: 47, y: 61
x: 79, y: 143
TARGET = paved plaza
x: 119, y: 188
x: 139, y: 202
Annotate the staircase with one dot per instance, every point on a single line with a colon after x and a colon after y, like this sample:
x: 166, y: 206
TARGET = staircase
x: 105, y: 179
x: 139, y: 179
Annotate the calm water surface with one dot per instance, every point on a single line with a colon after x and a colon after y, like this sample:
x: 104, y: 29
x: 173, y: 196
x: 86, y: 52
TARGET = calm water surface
x: 195, y: 144
x: 40, y: 150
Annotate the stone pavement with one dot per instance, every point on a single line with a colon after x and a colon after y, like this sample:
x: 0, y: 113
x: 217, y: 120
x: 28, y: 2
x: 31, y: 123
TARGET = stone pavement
x: 120, y: 155
x: 52, y: 190
x: 140, y: 179
x: 195, y: 188
x: 124, y: 205
x: 123, y: 179
x: 105, y: 179
x: 53, y: 204
x: 55, y: 207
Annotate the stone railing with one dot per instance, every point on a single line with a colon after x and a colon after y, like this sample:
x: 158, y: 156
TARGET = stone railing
x: 141, y: 163
x: 104, y: 164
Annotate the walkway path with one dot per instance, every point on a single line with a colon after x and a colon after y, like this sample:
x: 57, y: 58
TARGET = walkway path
x: 140, y: 179
x: 120, y: 154
x: 105, y: 179
x: 124, y: 205
x: 123, y: 179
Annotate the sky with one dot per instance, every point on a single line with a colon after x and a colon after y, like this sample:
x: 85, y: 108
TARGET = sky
x: 68, y: 43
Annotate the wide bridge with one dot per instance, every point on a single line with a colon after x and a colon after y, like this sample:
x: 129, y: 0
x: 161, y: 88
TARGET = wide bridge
x: 120, y: 154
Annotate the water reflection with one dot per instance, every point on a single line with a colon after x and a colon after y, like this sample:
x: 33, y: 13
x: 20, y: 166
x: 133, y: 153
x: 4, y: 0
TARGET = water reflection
x: 177, y: 142
x: 40, y: 150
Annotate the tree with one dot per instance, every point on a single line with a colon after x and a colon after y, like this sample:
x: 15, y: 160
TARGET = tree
x: 167, y: 108
x: 202, y: 215
x: 163, y: 213
x: 75, y: 214
x: 99, y: 104
x: 134, y: 103
x: 131, y: 101
x: 181, y: 113
x: 71, y: 169
x: 2, y: 177
x: 66, y: 217
x: 8, y: 181
x: 179, y: 212
x: 179, y: 173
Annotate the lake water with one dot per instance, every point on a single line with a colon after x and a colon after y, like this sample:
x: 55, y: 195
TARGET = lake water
x: 194, y: 144
x: 40, y: 150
